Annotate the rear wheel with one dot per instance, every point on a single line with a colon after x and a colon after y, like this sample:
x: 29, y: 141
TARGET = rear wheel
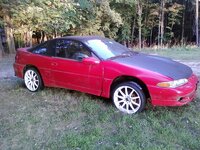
x: 129, y: 98
x: 32, y: 80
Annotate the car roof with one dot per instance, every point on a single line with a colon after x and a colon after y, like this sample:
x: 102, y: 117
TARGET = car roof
x: 82, y: 38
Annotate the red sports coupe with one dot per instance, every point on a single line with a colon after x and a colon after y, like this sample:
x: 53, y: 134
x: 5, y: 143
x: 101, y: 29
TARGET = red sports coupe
x: 103, y: 67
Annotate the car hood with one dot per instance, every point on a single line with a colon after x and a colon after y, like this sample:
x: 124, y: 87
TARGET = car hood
x: 158, y: 64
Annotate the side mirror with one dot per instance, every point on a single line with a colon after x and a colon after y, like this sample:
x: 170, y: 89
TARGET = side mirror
x: 90, y: 61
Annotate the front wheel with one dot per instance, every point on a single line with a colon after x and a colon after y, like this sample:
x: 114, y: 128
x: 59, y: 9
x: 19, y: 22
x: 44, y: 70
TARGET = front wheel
x: 129, y: 98
x: 32, y: 80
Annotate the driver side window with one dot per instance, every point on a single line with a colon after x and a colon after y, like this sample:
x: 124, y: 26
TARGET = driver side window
x: 78, y: 51
x: 71, y: 50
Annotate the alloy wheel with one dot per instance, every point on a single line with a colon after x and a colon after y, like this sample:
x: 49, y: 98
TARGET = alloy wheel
x: 127, y: 99
x: 32, y: 81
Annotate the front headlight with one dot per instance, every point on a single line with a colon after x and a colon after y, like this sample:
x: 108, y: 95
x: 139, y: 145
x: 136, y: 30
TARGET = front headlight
x: 172, y: 84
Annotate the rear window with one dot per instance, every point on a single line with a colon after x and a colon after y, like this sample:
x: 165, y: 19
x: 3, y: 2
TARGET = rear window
x: 39, y: 49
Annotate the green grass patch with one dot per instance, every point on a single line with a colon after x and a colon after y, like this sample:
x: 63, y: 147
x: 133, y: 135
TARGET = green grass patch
x: 178, y: 53
x: 62, y: 119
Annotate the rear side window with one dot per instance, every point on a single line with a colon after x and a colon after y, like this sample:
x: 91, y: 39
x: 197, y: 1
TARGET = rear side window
x: 61, y: 48
x: 40, y: 49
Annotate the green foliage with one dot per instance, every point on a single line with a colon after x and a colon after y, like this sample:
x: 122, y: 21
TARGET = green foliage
x: 101, y: 21
x: 174, y: 17
x: 124, y: 33
x: 151, y: 18
x: 55, y: 17
x: 123, y: 20
x: 127, y: 10
x: 50, y: 16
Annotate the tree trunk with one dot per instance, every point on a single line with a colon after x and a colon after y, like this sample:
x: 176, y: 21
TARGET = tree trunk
x: 1, y: 48
x: 132, y: 32
x: 42, y: 36
x: 29, y: 38
x: 183, y: 24
x: 139, y: 6
x: 162, y: 22
x: 38, y: 39
x: 197, y: 22
x: 56, y: 33
x: 9, y: 34
x: 159, y: 25
x: 151, y: 36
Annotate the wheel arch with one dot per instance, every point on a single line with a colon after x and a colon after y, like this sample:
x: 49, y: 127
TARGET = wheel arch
x: 124, y: 78
x: 30, y: 66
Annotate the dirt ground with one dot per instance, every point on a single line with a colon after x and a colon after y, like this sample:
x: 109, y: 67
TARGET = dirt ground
x: 6, y: 67
x: 7, y: 72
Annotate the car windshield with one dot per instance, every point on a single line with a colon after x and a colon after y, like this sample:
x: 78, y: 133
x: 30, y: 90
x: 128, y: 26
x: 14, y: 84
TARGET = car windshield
x: 106, y: 48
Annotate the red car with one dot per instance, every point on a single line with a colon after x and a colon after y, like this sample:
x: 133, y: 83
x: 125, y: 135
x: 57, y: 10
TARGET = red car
x: 103, y: 67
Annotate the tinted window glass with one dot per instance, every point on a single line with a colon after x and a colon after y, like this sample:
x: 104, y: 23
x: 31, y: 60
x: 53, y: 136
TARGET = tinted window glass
x: 78, y: 51
x: 71, y: 50
x: 61, y: 48
x: 41, y: 49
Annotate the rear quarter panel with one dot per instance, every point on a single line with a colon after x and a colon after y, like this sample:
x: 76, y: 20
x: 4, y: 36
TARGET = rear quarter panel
x: 41, y: 63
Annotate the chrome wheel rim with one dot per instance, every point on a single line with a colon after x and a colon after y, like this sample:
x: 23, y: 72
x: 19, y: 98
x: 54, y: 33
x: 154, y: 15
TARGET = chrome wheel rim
x: 31, y: 80
x: 127, y: 99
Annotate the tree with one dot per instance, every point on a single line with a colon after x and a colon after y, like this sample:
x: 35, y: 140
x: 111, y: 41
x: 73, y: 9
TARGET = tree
x: 139, y: 12
x: 150, y: 21
x: 161, y: 23
x: 50, y: 18
x: 183, y: 23
x: 174, y: 17
x: 7, y: 21
x: 102, y: 20
x: 197, y: 22
x: 1, y: 46
x: 126, y: 32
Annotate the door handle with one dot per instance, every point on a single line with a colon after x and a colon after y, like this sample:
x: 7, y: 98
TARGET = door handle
x: 54, y: 64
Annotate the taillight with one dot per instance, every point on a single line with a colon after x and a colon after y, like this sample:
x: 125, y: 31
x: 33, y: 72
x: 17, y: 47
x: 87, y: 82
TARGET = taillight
x: 17, y: 56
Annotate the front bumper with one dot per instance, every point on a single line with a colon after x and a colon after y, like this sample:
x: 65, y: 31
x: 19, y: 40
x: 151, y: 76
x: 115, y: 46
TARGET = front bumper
x: 174, y: 96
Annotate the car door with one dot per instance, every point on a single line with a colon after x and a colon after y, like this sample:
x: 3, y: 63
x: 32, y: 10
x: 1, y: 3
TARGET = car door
x: 69, y: 71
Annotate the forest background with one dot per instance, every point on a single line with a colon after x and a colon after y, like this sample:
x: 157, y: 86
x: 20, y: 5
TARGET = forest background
x: 134, y: 23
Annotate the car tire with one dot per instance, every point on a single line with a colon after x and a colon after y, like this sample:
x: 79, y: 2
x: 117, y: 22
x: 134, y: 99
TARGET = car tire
x: 33, y: 80
x: 129, y: 97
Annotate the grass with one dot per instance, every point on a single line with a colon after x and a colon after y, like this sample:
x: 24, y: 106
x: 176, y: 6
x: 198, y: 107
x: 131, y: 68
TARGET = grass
x: 178, y: 53
x: 63, y: 119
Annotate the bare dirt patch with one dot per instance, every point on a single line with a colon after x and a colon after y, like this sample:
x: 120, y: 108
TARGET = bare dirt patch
x: 6, y: 67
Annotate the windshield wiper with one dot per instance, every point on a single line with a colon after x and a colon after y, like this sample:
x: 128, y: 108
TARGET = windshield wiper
x: 130, y: 52
x: 121, y: 55
x: 125, y: 54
